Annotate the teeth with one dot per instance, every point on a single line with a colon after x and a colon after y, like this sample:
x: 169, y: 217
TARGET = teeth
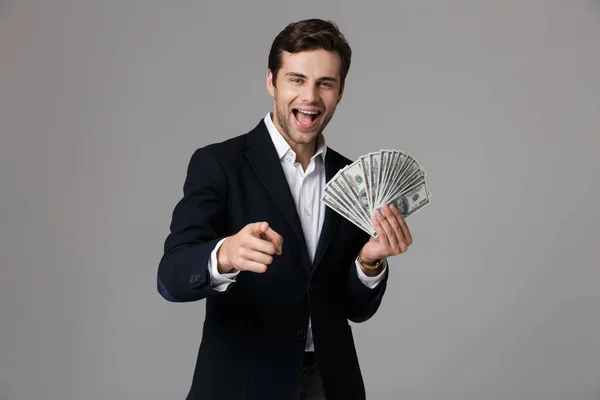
x: 308, y: 112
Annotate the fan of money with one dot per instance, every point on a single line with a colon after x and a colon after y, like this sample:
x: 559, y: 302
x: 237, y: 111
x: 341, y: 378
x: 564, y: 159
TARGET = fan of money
x: 377, y: 178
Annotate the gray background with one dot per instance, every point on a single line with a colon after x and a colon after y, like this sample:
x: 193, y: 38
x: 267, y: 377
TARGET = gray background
x: 103, y: 102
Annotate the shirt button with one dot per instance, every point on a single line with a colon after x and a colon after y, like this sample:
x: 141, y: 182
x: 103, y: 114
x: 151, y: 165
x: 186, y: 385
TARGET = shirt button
x: 306, y: 212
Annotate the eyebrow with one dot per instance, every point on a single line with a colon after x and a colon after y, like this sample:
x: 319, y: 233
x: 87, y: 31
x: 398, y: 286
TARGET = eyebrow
x: 323, y: 78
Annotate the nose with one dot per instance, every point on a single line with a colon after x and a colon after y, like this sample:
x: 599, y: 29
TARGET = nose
x: 310, y: 93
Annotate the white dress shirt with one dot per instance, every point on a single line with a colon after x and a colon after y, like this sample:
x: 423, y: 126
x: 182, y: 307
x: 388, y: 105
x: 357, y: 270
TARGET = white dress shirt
x: 306, y: 187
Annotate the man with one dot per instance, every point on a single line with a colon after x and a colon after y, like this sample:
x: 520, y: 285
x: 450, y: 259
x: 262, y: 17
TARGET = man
x: 281, y: 274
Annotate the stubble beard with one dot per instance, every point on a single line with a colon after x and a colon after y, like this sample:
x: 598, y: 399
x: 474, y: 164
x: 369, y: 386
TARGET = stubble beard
x: 284, y: 122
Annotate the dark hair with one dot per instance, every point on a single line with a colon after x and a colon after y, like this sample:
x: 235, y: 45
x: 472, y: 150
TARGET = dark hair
x: 310, y: 34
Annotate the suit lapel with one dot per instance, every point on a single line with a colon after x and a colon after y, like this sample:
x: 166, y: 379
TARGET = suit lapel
x: 330, y: 223
x: 263, y: 159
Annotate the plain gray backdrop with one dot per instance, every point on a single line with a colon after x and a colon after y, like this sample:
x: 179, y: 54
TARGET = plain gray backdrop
x: 102, y: 104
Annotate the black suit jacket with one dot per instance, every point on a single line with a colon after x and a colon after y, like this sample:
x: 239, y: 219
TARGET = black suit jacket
x: 254, y: 333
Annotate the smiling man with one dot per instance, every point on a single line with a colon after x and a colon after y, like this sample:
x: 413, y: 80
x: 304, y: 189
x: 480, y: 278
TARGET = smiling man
x: 306, y: 87
x: 281, y: 274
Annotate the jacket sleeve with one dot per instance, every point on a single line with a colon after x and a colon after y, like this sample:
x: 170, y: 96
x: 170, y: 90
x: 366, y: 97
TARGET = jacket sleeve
x: 362, y: 302
x: 198, y: 223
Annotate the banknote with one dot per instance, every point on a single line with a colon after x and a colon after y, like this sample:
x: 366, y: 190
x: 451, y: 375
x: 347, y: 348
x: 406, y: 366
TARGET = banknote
x: 387, y: 176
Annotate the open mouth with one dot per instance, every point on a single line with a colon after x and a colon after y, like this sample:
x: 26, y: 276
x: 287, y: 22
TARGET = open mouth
x: 306, y: 118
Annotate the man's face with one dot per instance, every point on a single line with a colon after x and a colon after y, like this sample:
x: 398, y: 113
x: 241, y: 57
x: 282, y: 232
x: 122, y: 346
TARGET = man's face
x: 307, y: 91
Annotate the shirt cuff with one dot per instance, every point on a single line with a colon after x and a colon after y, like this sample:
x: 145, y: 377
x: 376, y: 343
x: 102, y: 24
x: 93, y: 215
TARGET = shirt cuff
x: 370, y: 281
x: 218, y: 281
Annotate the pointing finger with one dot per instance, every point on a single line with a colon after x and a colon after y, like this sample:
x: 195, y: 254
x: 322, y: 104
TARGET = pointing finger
x: 262, y: 245
x: 258, y: 227
x: 274, y: 238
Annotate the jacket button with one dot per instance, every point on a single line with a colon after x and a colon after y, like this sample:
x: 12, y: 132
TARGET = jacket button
x: 194, y: 278
x: 309, y: 287
x: 302, y: 334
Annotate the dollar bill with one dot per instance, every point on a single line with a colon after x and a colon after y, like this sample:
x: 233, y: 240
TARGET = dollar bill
x: 387, y: 176
x: 334, y: 190
x: 333, y: 203
x: 374, y: 160
x: 354, y: 178
x: 366, y: 167
x: 355, y: 202
x: 387, y: 157
x: 411, y: 201
x: 390, y: 173
x: 417, y: 177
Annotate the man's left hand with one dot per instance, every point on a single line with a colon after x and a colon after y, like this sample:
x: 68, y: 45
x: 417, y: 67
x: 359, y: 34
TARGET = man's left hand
x: 393, y: 235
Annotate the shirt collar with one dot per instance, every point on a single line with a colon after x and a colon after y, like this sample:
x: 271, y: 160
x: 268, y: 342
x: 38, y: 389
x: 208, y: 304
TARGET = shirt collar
x: 284, y: 151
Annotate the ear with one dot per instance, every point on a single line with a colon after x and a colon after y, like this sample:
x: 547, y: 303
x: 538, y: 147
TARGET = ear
x: 270, y: 86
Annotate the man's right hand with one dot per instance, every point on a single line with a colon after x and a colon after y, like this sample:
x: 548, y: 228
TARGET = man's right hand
x: 251, y: 249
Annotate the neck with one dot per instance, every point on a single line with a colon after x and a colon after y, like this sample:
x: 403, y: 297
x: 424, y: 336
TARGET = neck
x: 304, y: 152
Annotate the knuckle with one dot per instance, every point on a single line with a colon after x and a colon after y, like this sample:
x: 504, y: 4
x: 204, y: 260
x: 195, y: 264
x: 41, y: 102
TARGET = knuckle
x: 241, y: 252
